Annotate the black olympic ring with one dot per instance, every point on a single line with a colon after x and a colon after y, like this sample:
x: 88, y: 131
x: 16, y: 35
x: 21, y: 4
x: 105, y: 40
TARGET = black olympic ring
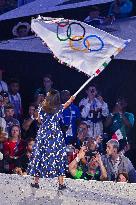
x: 69, y: 32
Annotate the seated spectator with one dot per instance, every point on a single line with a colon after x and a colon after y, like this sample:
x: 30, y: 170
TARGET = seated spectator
x: 3, y: 138
x: 13, y: 149
x: 70, y: 118
x: 22, y: 29
x: 4, y: 101
x: 10, y: 120
x: 1, y: 107
x: 39, y: 98
x: 120, y: 8
x: 23, y: 161
x: 120, y: 120
x: 47, y: 85
x: 82, y: 135
x: 3, y: 84
x: 3, y: 129
x: 94, y: 18
x: 30, y: 125
x: 122, y: 177
x: 93, y: 170
x: 93, y: 111
x: 71, y: 153
x: 93, y: 146
x: 116, y: 163
x: 15, y: 98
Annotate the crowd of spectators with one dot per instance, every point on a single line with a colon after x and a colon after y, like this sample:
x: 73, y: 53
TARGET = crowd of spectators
x: 118, y: 9
x: 94, y: 149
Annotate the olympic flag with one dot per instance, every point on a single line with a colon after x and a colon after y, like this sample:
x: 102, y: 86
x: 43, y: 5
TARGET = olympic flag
x: 77, y: 44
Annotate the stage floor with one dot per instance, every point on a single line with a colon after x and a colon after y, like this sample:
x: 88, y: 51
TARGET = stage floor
x: 16, y: 190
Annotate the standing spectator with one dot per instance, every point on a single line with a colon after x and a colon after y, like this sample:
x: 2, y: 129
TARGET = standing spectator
x: 121, y: 120
x: 70, y: 119
x: 13, y: 149
x: 116, y: 163
x: 93, y: 110
x: 3, y: 85
x: 15, y: 98
x: 30, y: 125
x: 10, y: 120
x: 47, y: 85
x: 121, y: 8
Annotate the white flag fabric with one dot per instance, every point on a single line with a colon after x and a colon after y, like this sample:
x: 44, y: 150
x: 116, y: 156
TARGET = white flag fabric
x: 77, y: 44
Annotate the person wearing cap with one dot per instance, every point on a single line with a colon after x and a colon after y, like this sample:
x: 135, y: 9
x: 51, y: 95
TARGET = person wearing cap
x: 22, y: 29
x: 3, y: 84
x: 115, y: 162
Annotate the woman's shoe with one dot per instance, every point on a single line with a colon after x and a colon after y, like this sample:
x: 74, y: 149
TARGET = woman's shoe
x: 35, y: 185
x: 62, y: 187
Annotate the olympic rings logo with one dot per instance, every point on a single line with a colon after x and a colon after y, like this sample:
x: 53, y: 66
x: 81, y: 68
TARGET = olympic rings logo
x: 84, y: 44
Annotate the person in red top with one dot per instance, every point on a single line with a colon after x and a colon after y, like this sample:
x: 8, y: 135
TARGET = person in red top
x: 13, y: 149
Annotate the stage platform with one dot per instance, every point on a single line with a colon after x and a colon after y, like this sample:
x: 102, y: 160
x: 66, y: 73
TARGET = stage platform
x: 16, y: 190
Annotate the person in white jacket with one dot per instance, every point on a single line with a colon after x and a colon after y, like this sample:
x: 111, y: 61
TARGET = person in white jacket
x: 93, y: 109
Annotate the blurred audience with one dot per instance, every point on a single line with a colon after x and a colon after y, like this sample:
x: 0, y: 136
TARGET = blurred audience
x: 121, y: 8
x: 70, y: 119
x: 120, y: 120
x: 3, y: 84
x: 94, y: 18
x: 15, y: 98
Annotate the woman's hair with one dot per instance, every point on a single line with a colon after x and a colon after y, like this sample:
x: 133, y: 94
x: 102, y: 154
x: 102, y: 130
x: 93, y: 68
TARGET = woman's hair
x: 18, y: 128
x: 52, y: 103
x: 125, y: 174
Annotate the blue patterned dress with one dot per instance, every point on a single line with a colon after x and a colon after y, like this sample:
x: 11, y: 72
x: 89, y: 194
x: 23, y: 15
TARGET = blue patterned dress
x: 49, y: 157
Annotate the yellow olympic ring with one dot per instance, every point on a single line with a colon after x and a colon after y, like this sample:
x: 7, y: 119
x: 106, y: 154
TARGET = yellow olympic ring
x: 78, y: 49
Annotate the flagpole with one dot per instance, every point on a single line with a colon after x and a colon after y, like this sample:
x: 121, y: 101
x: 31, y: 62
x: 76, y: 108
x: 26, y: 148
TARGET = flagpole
x: 82, y: 87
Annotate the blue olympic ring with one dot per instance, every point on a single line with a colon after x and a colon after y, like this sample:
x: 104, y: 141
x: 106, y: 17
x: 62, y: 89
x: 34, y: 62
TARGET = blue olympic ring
x: 93, y: 36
